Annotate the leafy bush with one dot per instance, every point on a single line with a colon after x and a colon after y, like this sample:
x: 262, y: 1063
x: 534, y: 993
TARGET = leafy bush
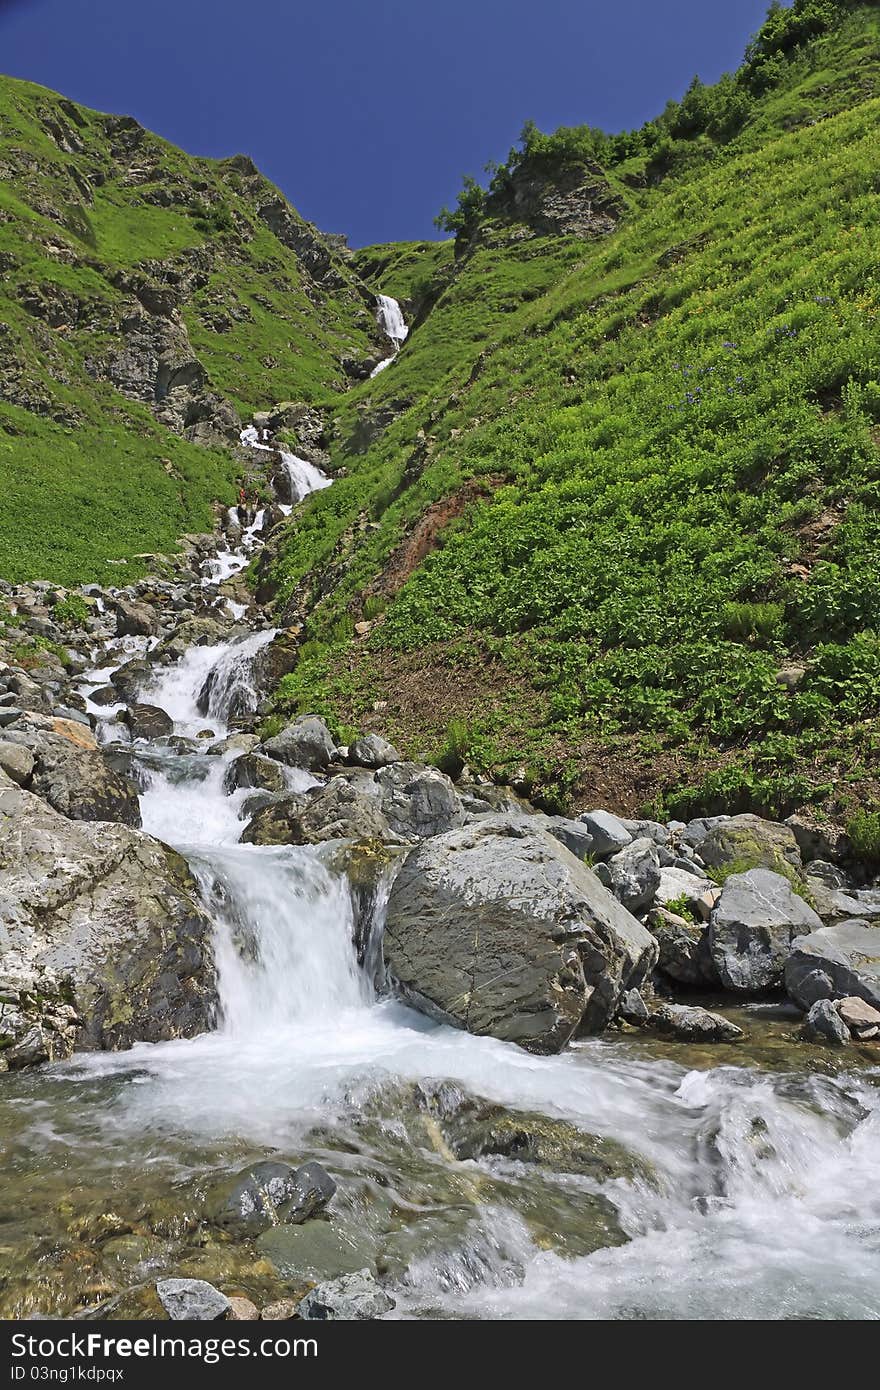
x: 863, y: 830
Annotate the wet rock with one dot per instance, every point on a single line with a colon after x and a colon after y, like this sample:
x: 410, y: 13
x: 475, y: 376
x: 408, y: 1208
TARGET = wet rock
x: 306, y: 743
x: 251, y: 770
x: 129, y: 677
x: 17, y: 762
x: 338, y: 811
x: 635, y: 875
x: 498, y: 928
x: 824, y: 1024
x: 752, y: 928
x: 281, y: 1311
x: 829, y: 874
x: 148, y: 721
x: 417, y: 801
x: 690, y: 1023
x: 632, y: 1008
x: 861, y: 1019
x: 242, y: 1310
x: 848, y: 954
x: 102, y: 940
x: 354, y: 1296
x: 372, y: 751
x: 748, y: 842
x: 609, y: 834
x: 271, y: 1194
x: 315, y: 1250
x: 105, y: 695
x: 135, y: 619
x: 70, y: 772
x: 684, y: 948
x: 191, y: 1300
x: 235, y: 743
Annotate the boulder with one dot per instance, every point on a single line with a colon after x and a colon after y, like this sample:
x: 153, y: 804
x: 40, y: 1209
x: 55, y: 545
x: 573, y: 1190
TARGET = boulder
x: 270, y: 1194
x: 148, y: 721
x: 17, y: 762
x: 70, y: 772
x: 635, y: 874
x: 372, y: 751
x: 191, y: 1300
x: 823, y: 1024
x: 306, y: 743
x: 353, y: 1296
x: 609, y: 834
x: 251, y: 770
x: 571, y: 833
x: 748, y: 842
x: 242, y: 1310
x: 680, y: 887
x: 751, y: 930
x: 339, y: 811
x: 501, y: 930
x: 135, y: 619
x: 848, y: 955
x: 102, y: 940
x: 861, y: 1019
x: 689, y: 1023
x: 418, y: 801
x: 684, y: 948
x: 694, y: 833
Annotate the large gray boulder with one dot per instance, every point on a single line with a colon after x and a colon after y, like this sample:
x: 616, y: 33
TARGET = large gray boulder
x: 102, y: 940
x: 752, y: 927
x: 499, y: 929
x: 748, y: 842
x: 635, y: 874
x: 609, y: 834
x: 70, y: 772
x: 306, y: 743
x: 135, y: 619
x: 372, y: 751
x: 846, y: 956
x: 339, y: 811
x: 418, y: 801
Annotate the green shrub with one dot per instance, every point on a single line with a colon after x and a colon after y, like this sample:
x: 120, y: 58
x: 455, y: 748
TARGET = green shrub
x: 863, y: 830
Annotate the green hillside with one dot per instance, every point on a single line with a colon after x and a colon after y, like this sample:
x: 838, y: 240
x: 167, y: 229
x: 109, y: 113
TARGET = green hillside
x: 612, y: 514
x: 148, y: 298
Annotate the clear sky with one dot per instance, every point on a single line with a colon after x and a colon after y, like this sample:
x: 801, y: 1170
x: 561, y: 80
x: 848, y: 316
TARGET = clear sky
x: 367, y: 112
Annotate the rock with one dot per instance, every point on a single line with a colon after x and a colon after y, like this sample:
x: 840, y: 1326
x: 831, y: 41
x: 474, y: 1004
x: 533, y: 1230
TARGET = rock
x: 306, y: 743
x: 635, y: 874
x: 748, y: 842
x: 752, y: 928
x: 70, y: 772
x: 315, y: 1250
x: 632, y: 1008
x: 269, y: 1194
x: 235, y: 743
x: 251, y: 770
x: 339, y: 811
x: 372, y: 751
x: 609, y: 834
x: 571, y: 833
x: 135, y: 619
x: 861, y: 1019
x: 848, y: 954
x: 827, y: 841
x: 647, y: 830
x: 417, y: 801
x: 695, y: 832
x: 242, y: 1310
x: 103, y: 942
x: 17, y: 762
x: 191, y: 1300
x: 680, y: 887
x: 281, y: 1311
x: 354, y: 1296
x: 829, y: 874
x: 148, y: 721
x: 814, y: 985
x: 824, y: 1024
x: 104, y: 695
x: 501, y: 930
x: 689, y: 1023
x: 684, y: 948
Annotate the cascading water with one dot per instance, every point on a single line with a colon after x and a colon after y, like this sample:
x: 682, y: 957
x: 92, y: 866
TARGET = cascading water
x: 389, y: 317
x: 745, y: 1189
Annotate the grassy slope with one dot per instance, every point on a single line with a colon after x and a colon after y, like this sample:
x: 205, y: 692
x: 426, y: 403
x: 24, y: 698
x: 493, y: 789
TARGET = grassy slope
x: 84, y: 472
x: 678, y: 427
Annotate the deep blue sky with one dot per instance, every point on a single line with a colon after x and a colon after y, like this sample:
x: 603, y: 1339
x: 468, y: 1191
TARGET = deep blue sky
x: 367, y: 112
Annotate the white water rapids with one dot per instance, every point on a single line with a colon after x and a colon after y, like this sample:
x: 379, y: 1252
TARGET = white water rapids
x: 389, y: 317
x: 765, y: 1195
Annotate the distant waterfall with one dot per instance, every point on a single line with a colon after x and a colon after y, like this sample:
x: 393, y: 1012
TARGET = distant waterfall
x: 389, y: 317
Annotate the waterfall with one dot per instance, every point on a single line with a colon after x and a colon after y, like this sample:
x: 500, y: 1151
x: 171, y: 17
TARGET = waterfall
x: 304, y: 477
x: 389, y: 317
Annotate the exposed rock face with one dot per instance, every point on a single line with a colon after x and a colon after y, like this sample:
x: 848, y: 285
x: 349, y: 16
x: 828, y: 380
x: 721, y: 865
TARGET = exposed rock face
x: 372, y: 751
x: 70, y: 771
x: 559, y: 196
x: 339, y: 811
x: 748, y: 842
x: 135, y: 619
x: 499, y: 929
x: 418, y: 801
x: 752, y: 928
x: 102, y: 940
x: 609, y: 834
x: 847, y: 956
x: 635, y: 874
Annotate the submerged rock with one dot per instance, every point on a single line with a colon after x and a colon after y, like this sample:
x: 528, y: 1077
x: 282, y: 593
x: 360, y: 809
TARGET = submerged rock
x: 498, y: 928
x: 102, y: 940
x: 752, y: 928
x: 353, y: 1296
x: 270, y: 1194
